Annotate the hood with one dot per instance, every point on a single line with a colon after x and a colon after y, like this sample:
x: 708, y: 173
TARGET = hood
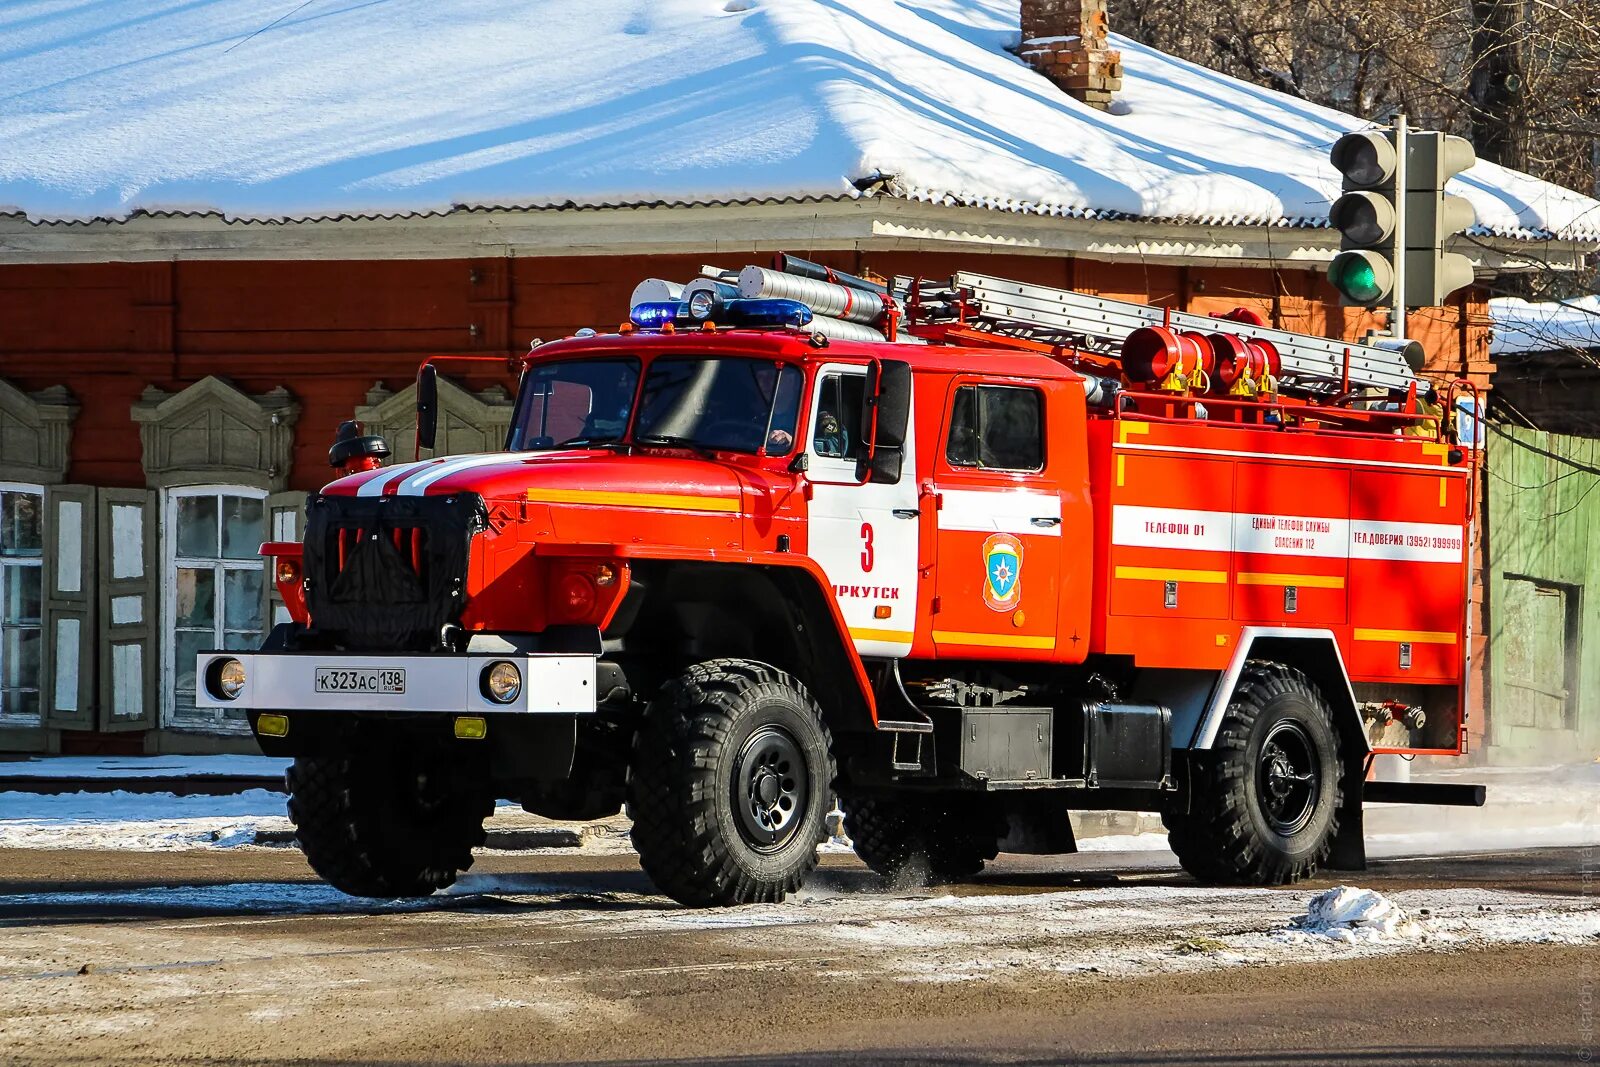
x: 585, y: 477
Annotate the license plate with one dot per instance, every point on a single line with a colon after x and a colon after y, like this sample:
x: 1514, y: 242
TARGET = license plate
x: 361, y: 680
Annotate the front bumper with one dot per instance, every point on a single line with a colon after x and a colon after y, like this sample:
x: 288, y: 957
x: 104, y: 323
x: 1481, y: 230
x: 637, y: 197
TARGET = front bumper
x: 444, y: 682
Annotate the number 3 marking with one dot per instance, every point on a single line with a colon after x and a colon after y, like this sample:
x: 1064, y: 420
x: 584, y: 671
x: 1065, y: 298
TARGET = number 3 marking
x: 866, y: 547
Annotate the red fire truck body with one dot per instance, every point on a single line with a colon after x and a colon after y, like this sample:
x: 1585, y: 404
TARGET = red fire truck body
x: 1009, y: 603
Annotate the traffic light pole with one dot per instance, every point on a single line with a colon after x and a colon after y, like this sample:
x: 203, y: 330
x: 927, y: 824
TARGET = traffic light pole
x: 1397, y: 316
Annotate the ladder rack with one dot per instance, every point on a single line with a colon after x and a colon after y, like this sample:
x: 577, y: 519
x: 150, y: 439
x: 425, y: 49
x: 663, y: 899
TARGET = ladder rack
x: 1049, y: 315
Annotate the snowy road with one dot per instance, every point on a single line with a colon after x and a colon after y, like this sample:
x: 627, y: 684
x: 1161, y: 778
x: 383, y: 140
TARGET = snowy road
x: 207, y: 954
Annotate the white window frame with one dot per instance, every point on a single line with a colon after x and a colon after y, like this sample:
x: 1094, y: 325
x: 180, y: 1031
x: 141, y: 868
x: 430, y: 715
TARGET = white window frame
x: 9, y: 562
x: 170, y: 563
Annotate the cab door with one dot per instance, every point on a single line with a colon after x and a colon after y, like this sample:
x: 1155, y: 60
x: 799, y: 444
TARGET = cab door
x: 865, y: 537
x: 997, y: 580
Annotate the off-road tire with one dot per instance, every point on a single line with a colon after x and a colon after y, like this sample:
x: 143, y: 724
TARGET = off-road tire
x: 693, y: 742
x: 932, y: 839
x: 386, y: 824
x: 1227, y: 836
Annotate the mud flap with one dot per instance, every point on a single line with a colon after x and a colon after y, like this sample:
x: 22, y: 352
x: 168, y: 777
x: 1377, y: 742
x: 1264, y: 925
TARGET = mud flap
x: 1350, y: 843
x: 1038, y: 823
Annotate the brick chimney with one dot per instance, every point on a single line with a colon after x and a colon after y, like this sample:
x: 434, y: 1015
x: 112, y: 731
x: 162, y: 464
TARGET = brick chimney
x: 1067, y: 42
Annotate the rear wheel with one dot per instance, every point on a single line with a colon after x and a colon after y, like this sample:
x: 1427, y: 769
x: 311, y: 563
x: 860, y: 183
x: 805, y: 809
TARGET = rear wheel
x: 730, y: 782
x: 387, y: 823
x: 923, y: 840
x: 1264, y: 801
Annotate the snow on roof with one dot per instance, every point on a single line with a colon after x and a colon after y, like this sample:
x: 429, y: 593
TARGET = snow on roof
x: 1550, y: 326
x: 351, y: 107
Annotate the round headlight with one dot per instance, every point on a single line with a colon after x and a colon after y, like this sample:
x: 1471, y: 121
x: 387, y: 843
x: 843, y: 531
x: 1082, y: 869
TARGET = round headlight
x: 225, y: 679
x: 502, y: 682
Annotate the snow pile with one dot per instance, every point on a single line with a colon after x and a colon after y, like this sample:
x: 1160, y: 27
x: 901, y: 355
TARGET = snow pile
x: 138, y: 822
x: 423, y: 106
x: 1346, y: 913
x: 1544, y: 326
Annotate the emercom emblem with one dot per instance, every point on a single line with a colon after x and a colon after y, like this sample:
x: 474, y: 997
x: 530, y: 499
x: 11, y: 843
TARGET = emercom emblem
x: 1002, y: 568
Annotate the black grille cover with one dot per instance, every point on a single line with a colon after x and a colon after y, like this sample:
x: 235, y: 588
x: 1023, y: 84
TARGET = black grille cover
x: 386, y: 573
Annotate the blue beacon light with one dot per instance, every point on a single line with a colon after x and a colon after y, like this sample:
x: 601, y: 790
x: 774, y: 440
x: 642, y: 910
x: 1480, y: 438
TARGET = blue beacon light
x: 655, y: 314
x: 757, y: 312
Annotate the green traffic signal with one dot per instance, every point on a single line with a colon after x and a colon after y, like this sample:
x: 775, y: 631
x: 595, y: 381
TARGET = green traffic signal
x: 1362, y: 277
x: 1364, y: 270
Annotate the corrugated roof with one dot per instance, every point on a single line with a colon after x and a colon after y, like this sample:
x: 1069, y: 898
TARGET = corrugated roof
x: 347, y: 109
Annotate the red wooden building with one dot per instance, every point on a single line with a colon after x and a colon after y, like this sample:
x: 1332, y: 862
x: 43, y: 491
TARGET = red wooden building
x: 170, y: 380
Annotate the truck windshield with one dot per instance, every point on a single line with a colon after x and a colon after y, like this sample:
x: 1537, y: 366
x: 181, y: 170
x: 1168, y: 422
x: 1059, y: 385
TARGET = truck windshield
x: 733, y: 404
x: 573, y: 403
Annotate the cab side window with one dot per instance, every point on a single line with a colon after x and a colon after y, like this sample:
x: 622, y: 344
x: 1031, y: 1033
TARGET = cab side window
x: 838, y: 414
x: 996, y: 427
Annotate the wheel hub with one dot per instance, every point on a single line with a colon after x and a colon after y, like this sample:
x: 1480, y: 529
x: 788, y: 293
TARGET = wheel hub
x: 770, y: 788
x: 1288, y: 784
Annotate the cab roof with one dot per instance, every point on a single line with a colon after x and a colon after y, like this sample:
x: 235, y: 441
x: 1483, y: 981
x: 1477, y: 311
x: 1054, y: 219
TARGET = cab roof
x: 797, y: 346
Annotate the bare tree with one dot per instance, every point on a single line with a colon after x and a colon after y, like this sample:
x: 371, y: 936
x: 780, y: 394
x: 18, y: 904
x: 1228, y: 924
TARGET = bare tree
x: 1521, y: 78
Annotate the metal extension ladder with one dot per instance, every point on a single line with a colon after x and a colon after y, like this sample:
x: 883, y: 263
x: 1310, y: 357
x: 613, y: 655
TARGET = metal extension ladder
x: 1059, y: 316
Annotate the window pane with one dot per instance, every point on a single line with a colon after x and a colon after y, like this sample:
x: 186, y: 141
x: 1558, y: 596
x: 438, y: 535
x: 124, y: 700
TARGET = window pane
x: 241, y: 599
x: 23, y: 702
x: 197, y: 597
x: 21, y: 586
x: 189, y: 645
x: 20, y: 531
x: 19, y: 655
x: 839, y: 416
x: 1011, y: 429
x: 962, y: 448
x: 785, y: 409
x: 244, y: 527
x: 197, y: 526
x: 242, y: 642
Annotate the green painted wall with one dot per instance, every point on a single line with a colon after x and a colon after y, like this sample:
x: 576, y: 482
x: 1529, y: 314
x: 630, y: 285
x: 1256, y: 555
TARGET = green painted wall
x: 1542, y: 566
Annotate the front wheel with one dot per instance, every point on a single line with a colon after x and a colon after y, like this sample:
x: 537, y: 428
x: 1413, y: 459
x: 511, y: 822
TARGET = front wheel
x: 730, y: 781
x: 387, y: 822
x: 1264, y: 801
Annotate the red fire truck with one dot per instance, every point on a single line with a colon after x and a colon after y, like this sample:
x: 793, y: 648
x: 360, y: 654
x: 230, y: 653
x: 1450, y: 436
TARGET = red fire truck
x: 965, y: 556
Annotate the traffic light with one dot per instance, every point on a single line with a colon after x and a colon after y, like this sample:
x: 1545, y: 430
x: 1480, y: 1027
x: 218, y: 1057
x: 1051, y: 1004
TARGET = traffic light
x: 1364, y: 270
x: 1433, y: 216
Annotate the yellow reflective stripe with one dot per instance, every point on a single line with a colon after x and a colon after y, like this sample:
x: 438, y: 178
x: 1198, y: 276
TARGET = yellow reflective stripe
x: 1415, y: 637
x: 1163, y: 574
x: 669, y: 501
x: 1304, y: 581
x: 1122, y: 470
x: 957, y: 637
x: 1131, y: 429
x: 867, y: 633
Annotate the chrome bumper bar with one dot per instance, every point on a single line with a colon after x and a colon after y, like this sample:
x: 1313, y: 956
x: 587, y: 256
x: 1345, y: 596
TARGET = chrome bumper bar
x: 448, y: 683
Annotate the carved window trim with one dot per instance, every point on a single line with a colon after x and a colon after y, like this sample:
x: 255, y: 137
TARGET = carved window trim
x: 209, y: 403
x: 393, y: 415
x: 49, y: 413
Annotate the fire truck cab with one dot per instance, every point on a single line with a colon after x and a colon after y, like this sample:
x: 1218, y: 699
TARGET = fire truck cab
x: 728, y: 569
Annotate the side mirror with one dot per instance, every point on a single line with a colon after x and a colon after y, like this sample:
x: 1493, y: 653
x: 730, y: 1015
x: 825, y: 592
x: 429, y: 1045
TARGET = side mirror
x: 427, y: 407
x: 885, y: 413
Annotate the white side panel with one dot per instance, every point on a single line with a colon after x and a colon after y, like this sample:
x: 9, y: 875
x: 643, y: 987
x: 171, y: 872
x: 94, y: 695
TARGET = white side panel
x: 127, y: 681
x: 69, y: 643
x: 1012, y: 511
x: 127, y: 541
x: 868, y: 552
x: 69, y: 546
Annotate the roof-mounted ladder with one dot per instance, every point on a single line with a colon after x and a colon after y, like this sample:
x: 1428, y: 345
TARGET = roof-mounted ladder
x: 1060, y: 316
